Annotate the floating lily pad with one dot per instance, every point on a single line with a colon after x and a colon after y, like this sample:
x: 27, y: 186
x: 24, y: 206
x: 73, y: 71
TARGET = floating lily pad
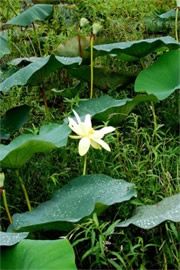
x: 103, y: 78
x: 39, y: 254
x: 22, y: 148
x: 149, y: 216
x: 137, y: 49
x: 75, y: 201
x: 38, y: 71
x: 3, y: 45
x: 162, y: 78
x: 13, y: 120
x: 32, y: 14
x: 107, y: 108
x: 10, y: 239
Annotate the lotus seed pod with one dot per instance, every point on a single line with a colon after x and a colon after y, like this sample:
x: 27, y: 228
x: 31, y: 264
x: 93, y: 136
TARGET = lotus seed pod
x: 178, y: 3
x: 2, y: 178
x: 97, y: 27
x: 83, y: 22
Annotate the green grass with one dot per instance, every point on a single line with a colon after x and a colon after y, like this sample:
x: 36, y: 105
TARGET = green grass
x: 140, y: 154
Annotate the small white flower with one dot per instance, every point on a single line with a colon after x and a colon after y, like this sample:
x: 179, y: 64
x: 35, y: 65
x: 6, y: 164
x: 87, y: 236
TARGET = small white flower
x: 87, y: 135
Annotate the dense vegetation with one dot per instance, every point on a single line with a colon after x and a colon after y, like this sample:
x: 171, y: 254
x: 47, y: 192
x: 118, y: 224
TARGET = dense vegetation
x: 116, y: 61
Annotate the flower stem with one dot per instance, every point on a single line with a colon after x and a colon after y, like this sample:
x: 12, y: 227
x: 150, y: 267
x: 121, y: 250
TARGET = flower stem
x: 6, y: 206
x: 24, y: 190
x: 92, y: 63
x: 85, y: 165
x: 176, y: 24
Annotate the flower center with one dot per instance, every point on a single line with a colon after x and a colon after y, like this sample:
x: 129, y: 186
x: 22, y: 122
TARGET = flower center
x: 91, y: 131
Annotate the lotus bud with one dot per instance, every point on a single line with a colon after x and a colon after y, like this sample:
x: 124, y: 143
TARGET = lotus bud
x: 97, y: 27
x: 83, y: 22
x: 2, y: 178
x: 178, y: 3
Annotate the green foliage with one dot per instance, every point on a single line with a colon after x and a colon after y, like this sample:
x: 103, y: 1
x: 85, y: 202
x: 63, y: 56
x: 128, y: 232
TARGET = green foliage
x: 10, y: 239
x: 39, y: 254
x: 160, y: 79
x: 13, y: 120
x: 144, y: 146
x: 35, y: 13
x: 76, y: 200
x: 105, y: 108
x: 3, y: 45
x: 22, y: 148
x: 149, y: 216
x: 103, y: 78
x: 137, y: 49
x: 38, y: 71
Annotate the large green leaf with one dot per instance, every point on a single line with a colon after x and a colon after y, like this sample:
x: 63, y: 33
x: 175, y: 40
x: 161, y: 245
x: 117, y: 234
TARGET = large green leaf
x: 13, y: 120
x: 170, y: 14
x: 137, y: 49
x: 3, y: 45
x: 107, y: 108
x: 10, y: 239
x: 39, y: 254
x: 76, y: 200
x: 38, y: 71
x: 162, y: 78
x: 149, y: 216
x: 32, y: 14
x: 22, y: 148
x: 103, y: 78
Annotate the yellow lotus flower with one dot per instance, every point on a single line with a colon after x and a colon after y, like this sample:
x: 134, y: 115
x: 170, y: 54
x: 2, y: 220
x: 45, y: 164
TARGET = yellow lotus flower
x: 87, y: 135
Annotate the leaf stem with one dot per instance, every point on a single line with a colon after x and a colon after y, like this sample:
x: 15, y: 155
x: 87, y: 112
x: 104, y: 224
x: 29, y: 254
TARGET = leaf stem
x: 6, y: 206
x: 92, y: 64
x: 44, y: 98
x: 24, y: 190
x: 176, y: 24
x: 37, y: 38
x: 85, y: 165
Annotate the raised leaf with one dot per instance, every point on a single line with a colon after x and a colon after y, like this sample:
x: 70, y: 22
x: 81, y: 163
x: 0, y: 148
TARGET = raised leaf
x: 149, y: 216
x: 162, y: 78
x: 32, y: 14
x: 22, y: 148
x: 10, y: 239
x: 137, y: 49
x: 38, y: 71
x: 168, y: 15
x: 3, y: 45
x: 103, y: 78
x: 39, y: 254
x: 13, y: 120
x: 75, y: 201
x: 106, y: 108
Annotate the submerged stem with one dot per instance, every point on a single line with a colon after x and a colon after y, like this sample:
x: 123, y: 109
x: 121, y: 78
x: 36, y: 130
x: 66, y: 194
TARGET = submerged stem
x: 24, y: 190
x: 6, y: 206
x: 92, y: 64
x: 85, y: 165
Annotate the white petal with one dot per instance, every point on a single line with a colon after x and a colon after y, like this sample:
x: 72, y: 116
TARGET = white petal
x: 97, y: 135
x: 84, y: 129
x: 88, y: 120
x: 103, y: 144
x: 77, y: 117
x: 107, y: 130
x: 74, y: 126
x: 95, y: 144
x: 84, y: 145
